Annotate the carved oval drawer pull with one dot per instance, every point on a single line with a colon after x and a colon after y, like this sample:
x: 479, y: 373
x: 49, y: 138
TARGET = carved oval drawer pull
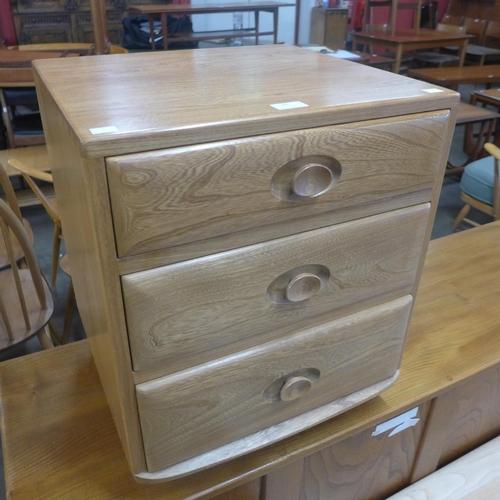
x: 302, y: 287
x: 294, y: 388
x: 312, y: 180
x: 306, y: 178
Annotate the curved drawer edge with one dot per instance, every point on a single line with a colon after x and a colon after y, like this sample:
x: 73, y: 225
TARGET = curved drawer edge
x: 266, y: 436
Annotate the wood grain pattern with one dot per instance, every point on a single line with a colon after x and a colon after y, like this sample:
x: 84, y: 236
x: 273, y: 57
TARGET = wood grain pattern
x: 177, y: 109
x: 211, y: 306
x: 434, y: 436
x: 86, y: 218
x: 59, y: 439
x: 189, y: 313
x: 168, y: 198
x: 171, y: 255
x: 197, y: 410
x: 476, y: 415
x: 360, y: 467
x: 475, y: 476
x: 272, y: 434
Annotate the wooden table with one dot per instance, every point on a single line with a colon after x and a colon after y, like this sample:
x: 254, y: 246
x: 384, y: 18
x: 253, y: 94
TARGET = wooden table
x: 15, y: 66
x: 59, y: 439
x: 454, y: 76
x: 407, y: 40
x: 153, y: 11
x: 23, y: 58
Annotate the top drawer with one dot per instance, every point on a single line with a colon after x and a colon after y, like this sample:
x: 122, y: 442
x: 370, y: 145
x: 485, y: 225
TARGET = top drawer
x: 178, y: 196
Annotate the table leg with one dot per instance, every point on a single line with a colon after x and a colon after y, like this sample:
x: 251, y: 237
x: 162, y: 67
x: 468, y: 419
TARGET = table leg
x: 256, y: 13
x: 399, y: 57
x: 152, y: 30
x: 275, y: 24
x: 164, y: 30
x: 461, y: 53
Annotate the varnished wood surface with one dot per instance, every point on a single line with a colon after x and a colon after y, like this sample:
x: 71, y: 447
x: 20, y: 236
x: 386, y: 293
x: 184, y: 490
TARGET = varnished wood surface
x: 23, y: 59
x: 160, y: 115
x: 60, y: 441
x: 449, y: 76
x: 475, y: 476
x: 207, y: 8
x: 195, y: 411
x: 362, y: 467
x: 204, y: 193
x: 34, y: 156
x: 170, y: 310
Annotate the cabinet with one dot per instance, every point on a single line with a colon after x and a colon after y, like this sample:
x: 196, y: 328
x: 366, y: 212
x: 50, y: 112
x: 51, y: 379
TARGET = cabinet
x: 65, y: 21
x: 329, y: 27
x: 245, y: 244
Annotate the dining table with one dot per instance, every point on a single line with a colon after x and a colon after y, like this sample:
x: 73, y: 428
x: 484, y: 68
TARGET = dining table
x: 401, y: 41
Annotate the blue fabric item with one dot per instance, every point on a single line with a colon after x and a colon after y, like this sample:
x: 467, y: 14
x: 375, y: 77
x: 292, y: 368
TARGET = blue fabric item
x: 477, y: 180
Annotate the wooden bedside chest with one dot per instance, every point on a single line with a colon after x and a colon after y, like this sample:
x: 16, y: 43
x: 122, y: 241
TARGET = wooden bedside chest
x: 246, y: 229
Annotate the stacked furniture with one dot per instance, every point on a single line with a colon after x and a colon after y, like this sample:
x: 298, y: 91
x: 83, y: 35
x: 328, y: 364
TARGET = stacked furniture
x: 245, y: 255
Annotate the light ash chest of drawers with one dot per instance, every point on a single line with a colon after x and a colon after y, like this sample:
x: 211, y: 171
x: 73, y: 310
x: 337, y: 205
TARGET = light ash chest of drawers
x: 243, y: 270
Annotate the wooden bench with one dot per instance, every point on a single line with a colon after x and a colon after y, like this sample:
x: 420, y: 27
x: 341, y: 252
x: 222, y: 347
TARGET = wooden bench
x: 35, y: 157
x: 452, y: 77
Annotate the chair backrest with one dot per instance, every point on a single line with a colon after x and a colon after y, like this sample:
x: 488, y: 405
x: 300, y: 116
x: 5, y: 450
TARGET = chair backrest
x: 25, y: 301
x: 370, y: 5
x: 492, y: 35
x: 29, y: 174
x: 455, y: 20
x: 10, y: 196
x: 475, y: 27
x: 495, y: 152
x: 450, y: 28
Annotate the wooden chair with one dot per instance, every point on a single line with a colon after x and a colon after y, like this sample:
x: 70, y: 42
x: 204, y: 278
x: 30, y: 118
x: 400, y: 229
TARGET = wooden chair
x: 453, y: 20
x: 489, y: 49
x: 22, y: 129
x: 437, y: 58
x: 480, y: 186
x: 476, y: 28
x: 25, y: 301
x: 29, y: 174
x: 11, y: 198
x: 392, y: 7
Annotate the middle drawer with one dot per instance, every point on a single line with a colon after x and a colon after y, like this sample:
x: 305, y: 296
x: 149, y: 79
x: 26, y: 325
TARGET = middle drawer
x: 184, y: 314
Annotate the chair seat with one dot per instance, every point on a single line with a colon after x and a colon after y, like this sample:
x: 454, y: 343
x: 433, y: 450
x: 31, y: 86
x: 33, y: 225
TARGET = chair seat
x: 20, y: 96
x: 479, y: 50
x: 435, y: 57
x: 27, y: 124
x: 478, y: 180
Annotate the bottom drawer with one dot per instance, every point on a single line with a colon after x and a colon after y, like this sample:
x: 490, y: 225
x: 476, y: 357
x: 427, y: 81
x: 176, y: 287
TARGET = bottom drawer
x: 197, y: 410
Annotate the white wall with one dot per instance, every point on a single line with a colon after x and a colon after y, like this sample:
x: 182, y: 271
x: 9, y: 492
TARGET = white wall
x: 286, y: 20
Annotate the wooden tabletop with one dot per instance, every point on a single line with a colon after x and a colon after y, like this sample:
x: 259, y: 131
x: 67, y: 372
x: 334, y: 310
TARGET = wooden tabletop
x: 492, y: 95
x: 23, y: 58
x: 128, y: 119
x: 208, y: 8
x: 456, y: 76
x: 59, y: 439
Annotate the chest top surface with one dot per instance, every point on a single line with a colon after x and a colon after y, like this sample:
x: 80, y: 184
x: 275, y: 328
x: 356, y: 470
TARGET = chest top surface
x: 138, y: 102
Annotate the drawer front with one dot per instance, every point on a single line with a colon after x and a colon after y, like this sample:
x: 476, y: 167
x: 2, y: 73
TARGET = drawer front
x: 200, y: 409
x: 188, y: 313
x: 185, y: 195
